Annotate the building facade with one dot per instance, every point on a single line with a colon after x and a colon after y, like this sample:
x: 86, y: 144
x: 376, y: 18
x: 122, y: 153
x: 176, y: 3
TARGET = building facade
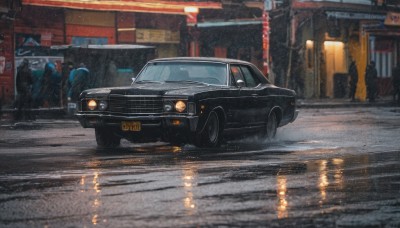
x: 305, y: 45
x: 324, y: 36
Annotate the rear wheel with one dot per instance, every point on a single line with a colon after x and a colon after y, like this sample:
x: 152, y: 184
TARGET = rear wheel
x: 105, y: 138
x: 272, y: 125
x: 210, y: 136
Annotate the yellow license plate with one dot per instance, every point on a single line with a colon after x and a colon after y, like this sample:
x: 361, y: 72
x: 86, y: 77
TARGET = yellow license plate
x: 131, y: 126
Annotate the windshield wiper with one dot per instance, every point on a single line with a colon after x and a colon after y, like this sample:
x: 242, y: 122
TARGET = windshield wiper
x: 187, y: 81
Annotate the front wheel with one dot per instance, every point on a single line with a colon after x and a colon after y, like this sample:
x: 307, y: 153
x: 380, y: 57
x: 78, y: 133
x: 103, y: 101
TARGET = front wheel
x: 272, y: 125
x: 211, y: 134
x: 105, y: 138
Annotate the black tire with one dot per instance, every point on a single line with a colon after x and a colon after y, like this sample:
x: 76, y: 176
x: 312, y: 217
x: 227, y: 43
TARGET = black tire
x: 105, y: 138
x: 271, y: 127
x: 211, y: 134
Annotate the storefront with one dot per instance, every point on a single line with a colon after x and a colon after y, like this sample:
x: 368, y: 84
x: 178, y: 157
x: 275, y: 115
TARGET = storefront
x: 240, y: 39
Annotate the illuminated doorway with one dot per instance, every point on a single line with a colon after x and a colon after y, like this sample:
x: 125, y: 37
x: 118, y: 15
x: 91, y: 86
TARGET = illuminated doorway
x: 335, y: 64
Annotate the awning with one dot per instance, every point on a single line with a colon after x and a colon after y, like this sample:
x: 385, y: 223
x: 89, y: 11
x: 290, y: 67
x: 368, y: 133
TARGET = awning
x: 208, y: 24
x: 355, y: 15
x: 150, y: 6
x: 104, y: 47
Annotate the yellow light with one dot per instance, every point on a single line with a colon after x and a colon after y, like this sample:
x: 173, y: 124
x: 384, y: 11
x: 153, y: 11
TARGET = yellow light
x: 180, y: 106
x: 333, y: 43
x: 176, y: 122
x: 191, y: 9
x: 92, y: 104
x: 309, y: 43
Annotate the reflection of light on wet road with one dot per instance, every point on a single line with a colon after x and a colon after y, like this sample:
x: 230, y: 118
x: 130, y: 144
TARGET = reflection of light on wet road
x: 169, y: 149
x: 188, y: 178
x: 338, y: 163
x: 282, y: 202
x: 93, y: 186
x: 94, y: 219
x: 96, y: 183
x: 323, y: 179
x: 82, y: 183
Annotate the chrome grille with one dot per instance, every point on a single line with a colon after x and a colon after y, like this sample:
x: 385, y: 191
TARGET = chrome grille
x: 135, y: 104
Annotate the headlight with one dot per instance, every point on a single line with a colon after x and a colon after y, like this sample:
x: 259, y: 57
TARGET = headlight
x: 103, y: 105
x: 92, y: 105
x: 180, y: 106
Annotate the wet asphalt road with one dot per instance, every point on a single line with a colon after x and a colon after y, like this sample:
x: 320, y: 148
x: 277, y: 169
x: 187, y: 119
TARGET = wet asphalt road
x: 331, y: 168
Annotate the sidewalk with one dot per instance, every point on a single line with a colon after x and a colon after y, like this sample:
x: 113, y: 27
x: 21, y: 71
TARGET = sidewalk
x: 6, y: 115
x: 344, y: 103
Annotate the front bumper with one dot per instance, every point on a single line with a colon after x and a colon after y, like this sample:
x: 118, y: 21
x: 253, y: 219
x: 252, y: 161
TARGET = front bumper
x: 159, y: 122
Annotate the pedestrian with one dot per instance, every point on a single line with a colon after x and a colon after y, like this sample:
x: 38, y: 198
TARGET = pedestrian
x: 353, y: 73
x: 396, y: 83
x: 24, y: 96
x: 70, y: 80
x: 51, y: 80
x: 371, y: 74
x: 80, y: 82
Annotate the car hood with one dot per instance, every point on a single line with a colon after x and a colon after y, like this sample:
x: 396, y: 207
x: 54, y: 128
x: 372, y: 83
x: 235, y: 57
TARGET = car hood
x: 168, y: 89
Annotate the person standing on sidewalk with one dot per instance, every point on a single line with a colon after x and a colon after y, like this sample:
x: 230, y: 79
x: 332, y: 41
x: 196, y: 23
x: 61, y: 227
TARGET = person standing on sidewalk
x: 353, y: 73
x: 24, y: 97
x: 80, y: 82
x: 396, y: 83
x: 371, y: 74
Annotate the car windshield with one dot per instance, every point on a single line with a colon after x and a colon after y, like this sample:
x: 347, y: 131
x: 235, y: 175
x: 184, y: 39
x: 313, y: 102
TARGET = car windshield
x: 202, y: 72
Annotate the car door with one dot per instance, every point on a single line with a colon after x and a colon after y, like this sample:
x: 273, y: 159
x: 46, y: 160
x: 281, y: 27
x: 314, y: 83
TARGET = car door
x: 245, y: 111
x: 254, y: 92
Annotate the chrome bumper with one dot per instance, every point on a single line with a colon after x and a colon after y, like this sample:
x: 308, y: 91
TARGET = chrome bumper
x: 90, y: 120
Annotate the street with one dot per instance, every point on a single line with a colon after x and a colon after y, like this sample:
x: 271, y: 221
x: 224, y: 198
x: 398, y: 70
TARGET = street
x: 337, y: 167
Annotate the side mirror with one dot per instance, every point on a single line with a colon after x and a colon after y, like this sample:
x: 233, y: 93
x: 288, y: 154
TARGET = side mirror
x: 240, y: 83
x: 133, y: 79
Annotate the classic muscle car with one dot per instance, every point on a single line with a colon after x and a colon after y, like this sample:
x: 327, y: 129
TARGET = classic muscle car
x: 188, y: 100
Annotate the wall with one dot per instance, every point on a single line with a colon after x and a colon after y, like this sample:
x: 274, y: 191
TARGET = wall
x: 89, y: 27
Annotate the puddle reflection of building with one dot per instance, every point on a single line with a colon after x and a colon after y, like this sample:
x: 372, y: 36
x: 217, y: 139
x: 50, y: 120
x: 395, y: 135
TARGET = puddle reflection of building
x: 281, y: 191
x: 189, y: 177
x: 325, y: 168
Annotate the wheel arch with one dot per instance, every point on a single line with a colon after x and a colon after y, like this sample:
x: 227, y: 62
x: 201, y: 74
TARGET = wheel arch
x: 221, y: 116
x: 278, y: 112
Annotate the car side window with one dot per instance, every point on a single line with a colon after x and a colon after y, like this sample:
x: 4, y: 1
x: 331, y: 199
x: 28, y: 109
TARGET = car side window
x: 250, y: 79
x: 236, y: 74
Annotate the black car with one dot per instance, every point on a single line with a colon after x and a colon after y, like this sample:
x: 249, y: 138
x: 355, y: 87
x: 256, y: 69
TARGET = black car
x: 188, y: 100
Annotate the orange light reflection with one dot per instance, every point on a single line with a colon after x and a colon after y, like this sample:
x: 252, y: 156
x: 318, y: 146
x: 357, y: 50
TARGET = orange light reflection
x: 282, y: 194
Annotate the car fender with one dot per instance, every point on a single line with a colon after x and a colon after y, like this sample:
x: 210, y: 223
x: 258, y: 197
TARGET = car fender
x: 221, y: 115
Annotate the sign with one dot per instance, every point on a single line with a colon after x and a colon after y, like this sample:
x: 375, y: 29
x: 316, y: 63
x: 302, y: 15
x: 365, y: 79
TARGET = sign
x: 46, y: 39
x: 157, y: 36
x: 392, y: 19
x: 265, y: 41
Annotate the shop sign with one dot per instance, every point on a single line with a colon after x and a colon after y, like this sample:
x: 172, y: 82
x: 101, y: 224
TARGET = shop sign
x: 392, y: 19
x: 157, y: 36
x: 46, y: 39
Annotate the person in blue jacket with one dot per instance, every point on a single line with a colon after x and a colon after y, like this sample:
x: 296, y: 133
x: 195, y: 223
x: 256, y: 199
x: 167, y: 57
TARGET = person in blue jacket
x: 80, y: 82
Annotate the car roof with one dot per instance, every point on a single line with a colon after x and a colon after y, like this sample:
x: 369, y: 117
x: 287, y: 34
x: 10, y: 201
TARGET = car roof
x: 201, y: 59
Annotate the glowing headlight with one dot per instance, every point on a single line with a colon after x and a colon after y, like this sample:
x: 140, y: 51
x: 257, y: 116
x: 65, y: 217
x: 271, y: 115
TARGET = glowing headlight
x: 92, y: 105
x: 103, y: 105
x: 180, y: 106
